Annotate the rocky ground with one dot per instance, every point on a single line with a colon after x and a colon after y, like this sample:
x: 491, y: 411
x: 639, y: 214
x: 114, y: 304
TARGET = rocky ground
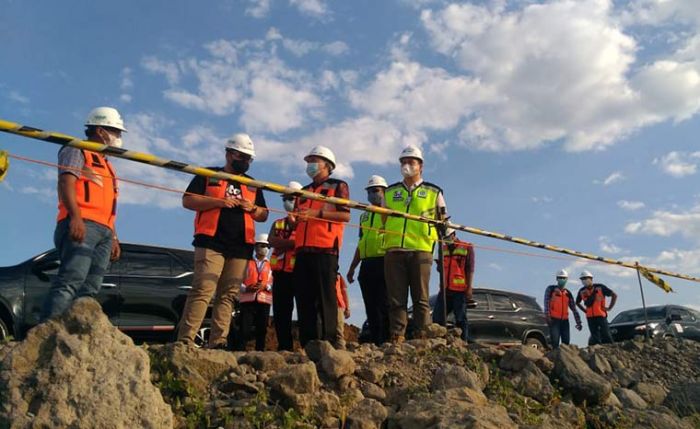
x: 79, y: 371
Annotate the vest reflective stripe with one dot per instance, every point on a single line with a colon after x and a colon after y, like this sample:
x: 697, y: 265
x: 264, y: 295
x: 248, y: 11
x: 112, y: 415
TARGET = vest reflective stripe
x: 410, y: 234
x: 371, y: 244
x: 319, y: 233
x: 339, y: 292
x: 598, y: 307
x: 283, y: 260
x: 207, y: 222
x: 559, y: 304
x: 453, y: 262
x: 253, y: 277
x: 97, y: 202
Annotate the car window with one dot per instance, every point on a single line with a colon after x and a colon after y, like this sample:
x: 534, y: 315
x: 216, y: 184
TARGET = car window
x: 637, y: 315
x: 116, y: 267
x: 686, y: 315
x: 502, y: 302
x: 147, y: 264
x: 179, y: 268
x: 481, y: 301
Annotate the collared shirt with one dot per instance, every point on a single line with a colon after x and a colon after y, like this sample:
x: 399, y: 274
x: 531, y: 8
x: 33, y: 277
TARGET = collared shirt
x: 71, y: 161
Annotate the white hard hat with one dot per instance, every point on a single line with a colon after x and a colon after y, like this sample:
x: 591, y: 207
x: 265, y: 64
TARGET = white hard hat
x: 323, y: 152
x: 261, y: 238
x: 412, y: 152
x: 294, y: 185
x: 241, y: 143
x: 105, y: 117
x: 585, y: 274
x: 563, y: 273
x: 375, y: 181
x: 449, y: 231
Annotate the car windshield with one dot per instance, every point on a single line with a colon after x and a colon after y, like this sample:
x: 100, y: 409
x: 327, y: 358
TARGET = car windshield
x: 637, y: 315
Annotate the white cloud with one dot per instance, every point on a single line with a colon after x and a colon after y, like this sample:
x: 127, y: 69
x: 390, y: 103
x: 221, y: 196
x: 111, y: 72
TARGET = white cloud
x: 665, y: 223
x: 607, y: 246
x: 167, y: 69
x: 630, y: 205
x: 46, y: 193
x: 258, y: 8
x: 126, y: 85
x: 495, y: 266
x: 613, y: 178
x: 313, y: 8
x: 17, y: 97
x: 541, y: 200
x: 336, y: 48
x: 678, y: 164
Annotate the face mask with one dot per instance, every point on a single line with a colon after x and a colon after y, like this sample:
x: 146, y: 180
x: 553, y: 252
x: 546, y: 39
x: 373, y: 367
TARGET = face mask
x: 114, y: 141
x: 376, y: 198
x: 262, y: 251
x: 561, y: 282
x: 408, y: 170
x: 239, y: 166
x: 587, y: 282
x: 312, y: 169
x: 288, y: 205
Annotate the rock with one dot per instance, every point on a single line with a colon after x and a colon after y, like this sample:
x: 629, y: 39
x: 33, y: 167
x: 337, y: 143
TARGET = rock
x: 237, y: 384
x: 626, y: 377
x: 372, y: 391
x: 652, y: 393
x: 366, y: 414
x: 630, y: 399
x: 487, y: 353
x: 516, y: 358
x: 263, y: 361
x: 575, y: 375
x: 316, y: 349
x: 684, y: 399
x: 371, y: 373
x: 613, y: 401
x: 566, y: 414
x: 532, y: 382
x: 294, y: 381
x: 326, y: 408
x: 599, y: 364
x: 79, y: 371
x: 450, y: 376
x: 337, y: 363
x: 458, y: 407
x: 435, y: 331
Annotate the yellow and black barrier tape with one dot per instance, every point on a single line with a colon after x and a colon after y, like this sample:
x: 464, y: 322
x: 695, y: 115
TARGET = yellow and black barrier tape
x: 146, y: 158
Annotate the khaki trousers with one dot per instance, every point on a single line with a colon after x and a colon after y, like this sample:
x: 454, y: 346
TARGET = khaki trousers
x: 214, y: 276
x: 404, y: 271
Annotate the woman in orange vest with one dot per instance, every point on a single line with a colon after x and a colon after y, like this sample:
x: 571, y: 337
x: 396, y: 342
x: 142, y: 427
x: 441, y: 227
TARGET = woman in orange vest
x: 593, y: 296
x: 256, y: 296
x: 224, y: 238
x: 557, y: 303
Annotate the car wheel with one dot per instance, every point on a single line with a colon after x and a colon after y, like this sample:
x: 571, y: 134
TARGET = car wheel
x: 534, y: 343
x: 4, y: 332
x: 202, y: 336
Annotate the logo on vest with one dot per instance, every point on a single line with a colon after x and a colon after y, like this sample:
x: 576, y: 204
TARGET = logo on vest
x: 398, y: 196
x: 422, y: 193
x: 232, y: 192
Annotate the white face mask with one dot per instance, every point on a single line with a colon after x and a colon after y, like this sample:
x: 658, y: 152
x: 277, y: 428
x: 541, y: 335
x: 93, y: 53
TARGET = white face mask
x: 262, y: 251
x: 114, y: 141
x: 288, y: 205
x: 408, y: 170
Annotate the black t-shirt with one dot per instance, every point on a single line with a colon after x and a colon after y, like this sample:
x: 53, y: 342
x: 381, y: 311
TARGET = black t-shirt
x: 230, y: 231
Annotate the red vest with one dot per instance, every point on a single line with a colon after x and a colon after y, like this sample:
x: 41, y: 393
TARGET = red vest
x: 97, y: 201
x: 283, y: 260
x: 319, y: 233
x: 253, y: 277
x: 453, y: 263
x: 206, y: 222
x: 597, y: 309
x: 559, y: 304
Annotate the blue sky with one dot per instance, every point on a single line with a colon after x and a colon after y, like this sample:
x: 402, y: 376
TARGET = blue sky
x: 568, y: 122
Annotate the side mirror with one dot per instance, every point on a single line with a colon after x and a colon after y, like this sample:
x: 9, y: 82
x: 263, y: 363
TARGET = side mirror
x: 674, y: 317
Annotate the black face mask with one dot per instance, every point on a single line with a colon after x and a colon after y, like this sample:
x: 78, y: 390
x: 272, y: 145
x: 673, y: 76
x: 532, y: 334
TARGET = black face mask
x: 240, y: 167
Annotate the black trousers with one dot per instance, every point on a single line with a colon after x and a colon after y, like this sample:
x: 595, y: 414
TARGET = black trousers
x: 559, y: 330
x: 317, y: 304
x: 282, y: 308
x: 600, y: 331
x: 374, y: 295
x: 254, y: 314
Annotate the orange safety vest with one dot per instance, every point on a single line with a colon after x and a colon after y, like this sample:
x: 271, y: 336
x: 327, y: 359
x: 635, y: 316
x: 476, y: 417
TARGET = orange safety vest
x: 96, y: 191
x: 206, y: 222
x: 319, y: 233
x: 254, y: 277
x: 453, y: 263
x: 283, y: 260
x: 559, y: 304
x: 598, y: 307
x: 339, y: 284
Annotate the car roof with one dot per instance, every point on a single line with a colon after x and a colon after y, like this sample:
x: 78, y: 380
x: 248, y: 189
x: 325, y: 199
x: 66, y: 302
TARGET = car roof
x: 506, y: 292
x: 132, y: 246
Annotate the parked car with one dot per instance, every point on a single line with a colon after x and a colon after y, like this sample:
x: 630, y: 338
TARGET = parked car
x: 143, y: 293
x: 666, y: 321
x: 501, y: 317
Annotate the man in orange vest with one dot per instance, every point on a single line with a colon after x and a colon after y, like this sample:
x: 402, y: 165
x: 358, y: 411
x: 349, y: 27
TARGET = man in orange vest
x: 593, y: 296
x: 319, y: 237
x: 224, y: 238
x: 458, y: 276
x: 256, y: 296
x: 282, y: 261
x: 87, y: 207
x: 557, y: 303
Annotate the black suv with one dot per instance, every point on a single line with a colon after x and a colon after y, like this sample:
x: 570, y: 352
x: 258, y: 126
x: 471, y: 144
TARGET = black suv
x: 143, y: 293
x: 501, y: 317
x: 666, y: 321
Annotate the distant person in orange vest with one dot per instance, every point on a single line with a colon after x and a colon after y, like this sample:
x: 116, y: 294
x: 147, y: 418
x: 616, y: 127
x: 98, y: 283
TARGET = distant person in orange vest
x: 224, y: 238
x: 458, y: 278
x: 318, y: 240
x: 282, y: 261
x: 256, y: 296
x: 593, y: 297
x: 558, y: 300
x: 87, y: 208
x: 341, y: 291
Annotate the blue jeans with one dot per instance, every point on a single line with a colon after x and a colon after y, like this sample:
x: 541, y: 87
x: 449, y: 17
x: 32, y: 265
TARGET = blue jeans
x: 457, y: 304
x: 559, y: 329
x: 83, y: 266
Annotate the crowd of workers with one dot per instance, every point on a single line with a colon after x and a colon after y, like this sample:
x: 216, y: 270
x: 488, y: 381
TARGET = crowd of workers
x: 231, y: 264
